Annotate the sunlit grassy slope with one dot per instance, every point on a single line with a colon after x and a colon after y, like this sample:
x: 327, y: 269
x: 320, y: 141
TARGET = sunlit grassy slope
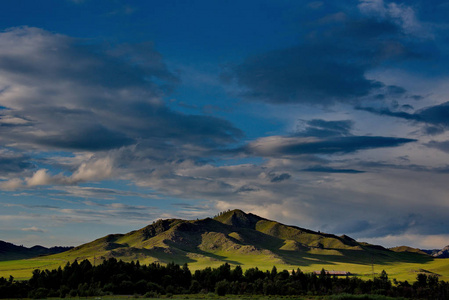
x: 241, y: 239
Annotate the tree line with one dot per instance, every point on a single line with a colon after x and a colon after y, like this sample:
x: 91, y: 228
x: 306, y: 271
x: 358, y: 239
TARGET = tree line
x: 123, y: 278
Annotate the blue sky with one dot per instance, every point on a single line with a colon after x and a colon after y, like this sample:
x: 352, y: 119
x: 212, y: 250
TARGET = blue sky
x: 327, y: 115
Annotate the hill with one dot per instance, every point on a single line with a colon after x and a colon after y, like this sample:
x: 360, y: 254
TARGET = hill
x: 10, y: 251
x: 408, y: 249
x: 245, y: 239
x: 237, y: 238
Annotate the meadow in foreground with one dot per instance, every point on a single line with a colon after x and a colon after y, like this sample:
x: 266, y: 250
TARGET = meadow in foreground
x: 114, y: 277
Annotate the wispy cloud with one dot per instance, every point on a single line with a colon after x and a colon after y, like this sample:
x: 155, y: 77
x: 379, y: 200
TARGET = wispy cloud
x: 435, y: 117
x: 277, y: 146
x: 33, y: 229
x: 399, y: 13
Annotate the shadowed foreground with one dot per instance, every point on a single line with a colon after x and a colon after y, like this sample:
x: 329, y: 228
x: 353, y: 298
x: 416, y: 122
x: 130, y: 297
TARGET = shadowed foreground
x: 114, y: 277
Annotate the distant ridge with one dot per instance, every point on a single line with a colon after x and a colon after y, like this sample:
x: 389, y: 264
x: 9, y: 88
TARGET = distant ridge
x: 439, y: 253
x: 234, y: 237
x: 9, y: 251
x: 408, y: 249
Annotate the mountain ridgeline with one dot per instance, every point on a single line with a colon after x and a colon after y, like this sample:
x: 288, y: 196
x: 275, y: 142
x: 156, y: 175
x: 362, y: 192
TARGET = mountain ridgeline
x: 439, y: 253
x: 237, y: 238
x: 10, y: 251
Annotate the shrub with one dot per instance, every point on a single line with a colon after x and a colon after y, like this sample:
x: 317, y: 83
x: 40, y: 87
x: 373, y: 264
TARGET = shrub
x: 221, y: 288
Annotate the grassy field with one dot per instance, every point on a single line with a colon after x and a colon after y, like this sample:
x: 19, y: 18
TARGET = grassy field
x: 22, y: 269
x: 403, y: 270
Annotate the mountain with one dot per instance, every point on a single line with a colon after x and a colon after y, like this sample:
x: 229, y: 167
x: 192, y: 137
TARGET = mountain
x: 236, y: 237
x: 439, y: 253
x: 10, y: 251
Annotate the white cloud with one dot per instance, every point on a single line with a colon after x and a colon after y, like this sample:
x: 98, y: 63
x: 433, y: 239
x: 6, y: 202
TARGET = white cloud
x: 376, y: 7
x: 96, y: 169
x: 33, y: 229
x: 41, y: 177
x: 406, y: 17
x: 92, y: 170
x: 12, y: 184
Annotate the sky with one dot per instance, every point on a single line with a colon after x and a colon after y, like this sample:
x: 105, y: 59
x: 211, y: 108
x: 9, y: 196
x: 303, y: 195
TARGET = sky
x: 327, y: 115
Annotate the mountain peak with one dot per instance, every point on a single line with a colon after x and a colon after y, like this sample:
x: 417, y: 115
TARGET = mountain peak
x: 237, y: 218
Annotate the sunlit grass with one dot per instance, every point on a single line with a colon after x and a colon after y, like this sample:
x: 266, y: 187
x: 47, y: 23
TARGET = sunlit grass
x: 22, y: 269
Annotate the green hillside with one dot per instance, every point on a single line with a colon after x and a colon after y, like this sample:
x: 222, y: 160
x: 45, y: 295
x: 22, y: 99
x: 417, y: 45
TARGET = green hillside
x: 241, y: 239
